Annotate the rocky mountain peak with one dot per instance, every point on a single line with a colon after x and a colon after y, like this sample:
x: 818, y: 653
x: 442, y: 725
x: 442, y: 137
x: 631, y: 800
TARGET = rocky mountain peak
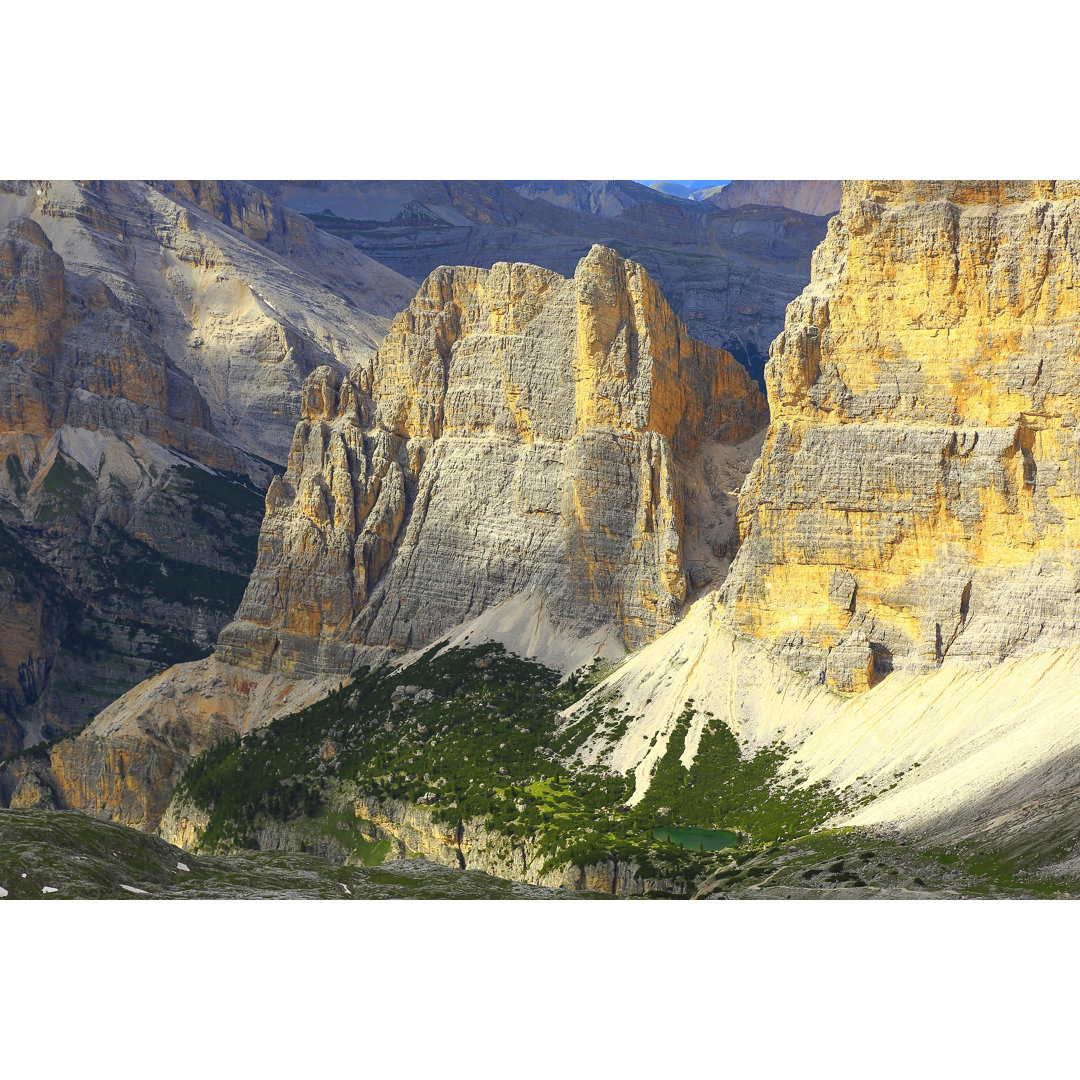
x: 807, y: 196
x: 516, y: 431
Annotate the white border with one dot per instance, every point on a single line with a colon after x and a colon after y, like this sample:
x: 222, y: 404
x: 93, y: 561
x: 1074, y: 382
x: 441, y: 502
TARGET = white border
x: 559, y: 89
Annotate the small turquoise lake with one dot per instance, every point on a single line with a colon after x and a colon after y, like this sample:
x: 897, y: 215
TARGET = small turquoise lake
x: 699, y: 839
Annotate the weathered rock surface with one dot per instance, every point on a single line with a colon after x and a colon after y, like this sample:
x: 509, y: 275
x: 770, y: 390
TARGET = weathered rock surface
x: 727, y: 273
x: 65, y: 855
x: 608, y: 198
x: 151, y: 357
x: 516, y: 431
x: 819, y: 197
x: 412, y: 830
x: 959, y: 753
x: 918, y: 487
x: 124, y: 765
x: 471, y: 845
x: 209, y: 297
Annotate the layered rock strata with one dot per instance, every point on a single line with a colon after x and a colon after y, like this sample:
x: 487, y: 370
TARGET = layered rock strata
x: 948, y: 756
x: 211, y: 293
x: 412, y: 830
x: 556, y: 456
x: 124, y: 766
x: 516, y: 431
x: 606, y: 198
x: 917, y: 491
x: 153, y: 341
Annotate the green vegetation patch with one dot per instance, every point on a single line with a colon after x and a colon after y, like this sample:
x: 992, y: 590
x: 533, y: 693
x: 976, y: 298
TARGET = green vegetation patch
x: 724, y: 790
x: 476, y: 734
x: 227, y: 509
x: 90, y: 658
x: 466, y: 733
x: 16, y: 475
x: 853, y: 863
x: 21, y: 573
x: 65, y: 489
x: 129, y: 564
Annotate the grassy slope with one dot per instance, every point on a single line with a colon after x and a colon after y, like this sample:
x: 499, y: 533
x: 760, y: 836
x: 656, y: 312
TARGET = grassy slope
x: 475, y: 733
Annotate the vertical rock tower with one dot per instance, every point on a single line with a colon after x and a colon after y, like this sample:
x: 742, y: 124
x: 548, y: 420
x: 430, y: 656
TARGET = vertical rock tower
x: 917, y: 493
x: 516, y: 431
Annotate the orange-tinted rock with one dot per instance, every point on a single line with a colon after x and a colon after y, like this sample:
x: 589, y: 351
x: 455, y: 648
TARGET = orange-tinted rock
x: 516, y: 431
x: 918, y: 486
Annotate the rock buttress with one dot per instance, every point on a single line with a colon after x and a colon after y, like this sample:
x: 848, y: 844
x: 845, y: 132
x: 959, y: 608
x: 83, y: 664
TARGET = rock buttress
x: 917, y: 492
x: 516, y: 430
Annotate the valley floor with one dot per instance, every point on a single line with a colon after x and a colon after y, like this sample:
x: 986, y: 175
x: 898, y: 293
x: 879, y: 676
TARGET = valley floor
x: 467, y: 768
x: 67, y: 855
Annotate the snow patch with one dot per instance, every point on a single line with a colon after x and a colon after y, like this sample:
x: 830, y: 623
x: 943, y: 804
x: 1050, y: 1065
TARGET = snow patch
x: 184, y: 867
x: 132, y: 889
x: 3, y: 892
x: 46, y: 889
x: 176, y: 455
x: 260, y: 296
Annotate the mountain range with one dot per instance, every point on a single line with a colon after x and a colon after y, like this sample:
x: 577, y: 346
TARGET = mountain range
x: 728, y: 274
x: 545, y: 586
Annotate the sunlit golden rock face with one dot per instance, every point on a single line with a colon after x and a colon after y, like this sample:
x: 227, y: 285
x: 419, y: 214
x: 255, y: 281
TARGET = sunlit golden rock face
x: 78, y: 359
x: 516, y: 430
x: 917, y: 489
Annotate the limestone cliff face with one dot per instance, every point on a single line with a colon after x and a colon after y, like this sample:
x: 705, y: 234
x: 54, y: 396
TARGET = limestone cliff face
x: 203, y: 304
x: 412, y: 830
x: 153, y: 342
x: 74, y: 355
x: 124, y: 765
x: 606, y: 198
x: 917, y: 491
x: 515, y: 431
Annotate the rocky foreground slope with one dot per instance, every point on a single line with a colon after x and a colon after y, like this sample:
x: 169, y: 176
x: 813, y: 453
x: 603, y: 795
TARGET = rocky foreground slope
x: 153, y: 340
x: 64, y: 855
